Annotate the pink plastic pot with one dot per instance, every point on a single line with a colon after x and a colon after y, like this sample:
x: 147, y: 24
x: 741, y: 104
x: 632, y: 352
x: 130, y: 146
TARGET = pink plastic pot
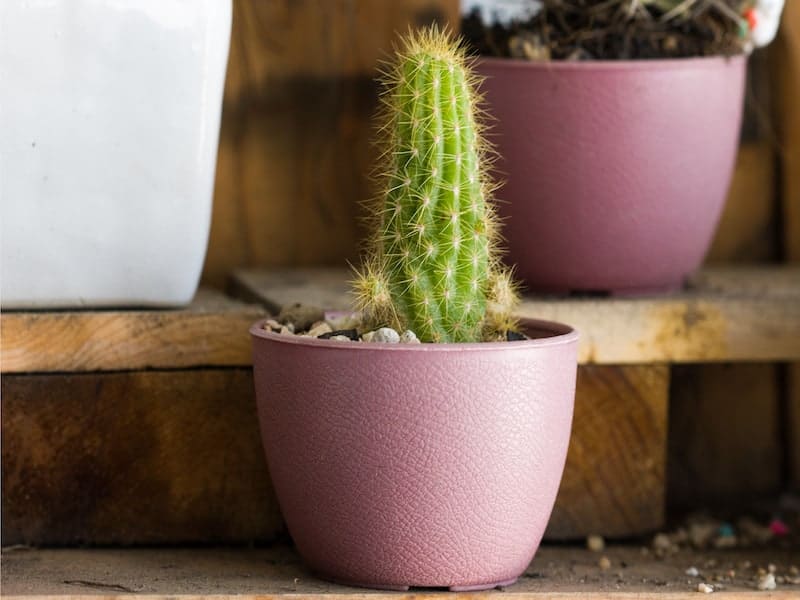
x: 615, y: 172
x: 400, y: 465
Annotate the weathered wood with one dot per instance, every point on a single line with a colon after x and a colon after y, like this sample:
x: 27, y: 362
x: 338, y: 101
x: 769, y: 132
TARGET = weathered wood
x: 614, y: 480
x: 787, y: 83
x: 295, y: 144
x: 725, y: 449
x: 210, y: 331
x: 565, y: 573
x: 747, y: 231
x: 134, y: 458
x: 696, y: 325
x: 171, y: 457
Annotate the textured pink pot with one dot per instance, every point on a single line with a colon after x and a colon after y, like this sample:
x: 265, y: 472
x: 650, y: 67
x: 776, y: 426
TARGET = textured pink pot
x: 400, y: 465
x: 615, y: 172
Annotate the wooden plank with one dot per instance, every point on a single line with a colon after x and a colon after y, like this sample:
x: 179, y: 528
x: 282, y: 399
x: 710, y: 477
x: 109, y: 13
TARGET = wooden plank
x: 210, y: 331
x: 713, y: 409
x: 787, y: 92
x: 614, y: 480
x: 557, y: 572
x: 696, y: 325
x: 786, y: 54
x: 747, y: 231
x: 172, y: 457
x: 295, y: 143
x: 134, y: 458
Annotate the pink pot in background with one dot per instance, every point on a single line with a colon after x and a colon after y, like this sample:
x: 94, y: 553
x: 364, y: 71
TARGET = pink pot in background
x: 400, y: 465
x: 615, y: 172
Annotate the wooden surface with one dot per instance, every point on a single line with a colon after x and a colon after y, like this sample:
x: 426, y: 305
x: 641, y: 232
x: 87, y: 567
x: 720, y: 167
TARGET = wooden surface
x: 295, y: 144
x: 787, y: 75
x: 725, y: 444
x: 736, y: 319
x: 261, y: 574
x: 175, y: 457
x: 136, y: 457
x: 747, y: 231
x: 614, y: 481
x: 210, y: 331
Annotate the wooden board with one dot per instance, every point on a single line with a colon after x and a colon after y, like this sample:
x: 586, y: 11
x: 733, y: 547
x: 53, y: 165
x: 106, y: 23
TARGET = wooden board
x: 556, y: 572
x: 725, y: 443
x: 295, y: 147
x: 786, y: 53
x: 747, y: 231
x: 743, y: 323
x: 174, y: 457
x: 138, y: 457
x: 210, y: 331
x: 614, y: 480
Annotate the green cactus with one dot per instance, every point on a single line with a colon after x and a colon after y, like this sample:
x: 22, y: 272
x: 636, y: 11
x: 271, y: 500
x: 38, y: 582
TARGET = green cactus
x: 432, y: 265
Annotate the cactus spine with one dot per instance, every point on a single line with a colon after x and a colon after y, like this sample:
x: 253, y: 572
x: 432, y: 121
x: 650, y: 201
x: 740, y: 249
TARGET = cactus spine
x: 432, y: 263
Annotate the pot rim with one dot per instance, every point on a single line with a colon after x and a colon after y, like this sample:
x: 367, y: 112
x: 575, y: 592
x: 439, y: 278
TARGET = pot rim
x: 640, y: 64
x: 562, y: 335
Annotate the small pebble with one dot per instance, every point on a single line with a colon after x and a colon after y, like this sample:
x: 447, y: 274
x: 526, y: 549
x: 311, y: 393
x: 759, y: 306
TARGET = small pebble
x: 301, y: 315
x: 661, y: 542
x: 771, y: 568
x: 704, y: 588
x: 287, y: 330
x: 767, y: 582
x: 340, y: 338
x: 319, y: 328
x: 726, y: 541
x: 595, y: 543
x: 604, y: 563
x: 342, y: 319
x: 700, y: 534
x: 726, y: 530
x: 387, y: 335
x: 409, y: 337
x: 693, y: 572
x: 272, y: 325
x: 778, y: 527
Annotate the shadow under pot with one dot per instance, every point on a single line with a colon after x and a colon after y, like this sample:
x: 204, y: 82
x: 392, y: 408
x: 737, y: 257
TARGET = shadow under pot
x: 615, y: 172
x: 399, y: 465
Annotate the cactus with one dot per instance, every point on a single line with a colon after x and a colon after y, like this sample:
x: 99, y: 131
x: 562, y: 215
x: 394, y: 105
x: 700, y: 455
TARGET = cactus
x: 432, y: 264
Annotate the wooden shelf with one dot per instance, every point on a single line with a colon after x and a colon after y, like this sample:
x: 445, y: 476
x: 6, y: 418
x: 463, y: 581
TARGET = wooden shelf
x: 730, y: 314
x: 556, y: 572
x: 211, y: 331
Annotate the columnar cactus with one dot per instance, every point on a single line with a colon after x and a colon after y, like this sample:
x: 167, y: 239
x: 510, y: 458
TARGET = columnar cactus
x: 432, y: 264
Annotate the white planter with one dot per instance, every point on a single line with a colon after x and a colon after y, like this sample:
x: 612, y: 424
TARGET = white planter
x: 109, y: 121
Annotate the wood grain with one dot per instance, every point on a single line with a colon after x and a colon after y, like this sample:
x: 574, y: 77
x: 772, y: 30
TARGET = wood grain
x: 134, y: 458
x: 787, y: 76
x: 295, y: 144
x: 563, y: 573
x: 747, y: 231
x: 725, y: 449
x: 614, y: 480
x: 174, y: 457
x: 743, y: 322
x: 210, y: 331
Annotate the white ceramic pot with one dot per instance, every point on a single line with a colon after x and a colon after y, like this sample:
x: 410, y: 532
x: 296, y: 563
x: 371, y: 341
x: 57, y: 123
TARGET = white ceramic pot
x: 109, y: 121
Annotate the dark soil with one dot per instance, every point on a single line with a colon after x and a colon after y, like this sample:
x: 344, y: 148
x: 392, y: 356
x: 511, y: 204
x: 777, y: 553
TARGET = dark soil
x: 614, y: 29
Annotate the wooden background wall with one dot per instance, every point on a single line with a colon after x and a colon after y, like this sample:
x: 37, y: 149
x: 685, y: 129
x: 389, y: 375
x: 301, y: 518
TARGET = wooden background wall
x: 295, y: 148
x: 293, y: 165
